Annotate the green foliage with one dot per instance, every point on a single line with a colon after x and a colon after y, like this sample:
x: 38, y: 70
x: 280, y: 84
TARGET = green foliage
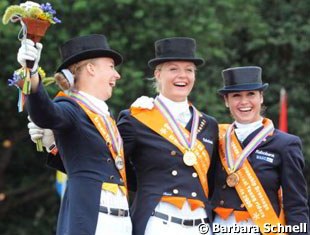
x: 270, y: 34
x: 13, y: 11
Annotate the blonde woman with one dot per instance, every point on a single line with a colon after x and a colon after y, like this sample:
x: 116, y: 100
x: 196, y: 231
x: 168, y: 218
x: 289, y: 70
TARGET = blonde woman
x: 87, y: 138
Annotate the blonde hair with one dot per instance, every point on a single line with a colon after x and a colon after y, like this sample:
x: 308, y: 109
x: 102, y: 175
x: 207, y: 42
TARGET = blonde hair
x: 156, y: 83
x: 76, y: 69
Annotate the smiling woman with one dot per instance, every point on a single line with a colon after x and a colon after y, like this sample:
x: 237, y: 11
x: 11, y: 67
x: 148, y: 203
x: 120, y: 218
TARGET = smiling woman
x: 86, y: 135
x: 259, y: 165
x: 101, y: 80
x: 245, y: 106
x: 170, y: 146
x: 175, y: 79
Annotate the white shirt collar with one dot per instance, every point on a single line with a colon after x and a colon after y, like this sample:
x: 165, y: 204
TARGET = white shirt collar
x: 100, y: 106
x: 176, y: 108
x: 179, y: 110
x: 244, y: 130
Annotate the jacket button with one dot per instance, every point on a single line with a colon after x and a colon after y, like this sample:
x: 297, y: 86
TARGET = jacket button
x: 242, y: 205
x: 173, y: 153
x: 224, y: 186
x: 174, y: 173
x: 109, y: 160
x: 175, y: 191
x: 108, y: 143
x: 222, y: 202
x: 112, y: 177
x: 121, y: 180
x: 194, y: 175
x: 194, y: 194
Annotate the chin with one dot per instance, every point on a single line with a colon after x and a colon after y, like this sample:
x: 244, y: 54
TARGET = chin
x: 243, y: 120
x: 109, y: 96
x: 181, y: 96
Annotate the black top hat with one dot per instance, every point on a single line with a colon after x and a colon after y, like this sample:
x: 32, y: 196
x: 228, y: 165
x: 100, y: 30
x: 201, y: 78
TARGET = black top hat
x: 86, y: 47
x: 242, y: 79
x: 175, y: 49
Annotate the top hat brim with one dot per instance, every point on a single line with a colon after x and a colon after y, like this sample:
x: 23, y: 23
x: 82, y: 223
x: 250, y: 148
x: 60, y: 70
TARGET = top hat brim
x: 156, y: 61
x: 243, y: 87
x: 90, y: 54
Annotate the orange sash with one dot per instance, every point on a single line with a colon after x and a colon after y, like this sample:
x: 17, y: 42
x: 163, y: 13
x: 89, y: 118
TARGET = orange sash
x: 249, y: 187
x: 99, y: 124
x: 155, y: 121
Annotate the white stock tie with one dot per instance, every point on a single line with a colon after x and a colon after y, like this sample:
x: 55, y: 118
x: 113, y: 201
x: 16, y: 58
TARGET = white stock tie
x: 184, y: 117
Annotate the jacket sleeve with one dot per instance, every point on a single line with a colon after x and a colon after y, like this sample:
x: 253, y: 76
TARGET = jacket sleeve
x: 45, y: 113
x: 215, y: 160
x: 128, y: 133
x: 294, y: 184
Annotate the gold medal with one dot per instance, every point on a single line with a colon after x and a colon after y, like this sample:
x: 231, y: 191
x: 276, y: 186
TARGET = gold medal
x: 232, y: 179
x: 119, y: 163
x: 189, y: 158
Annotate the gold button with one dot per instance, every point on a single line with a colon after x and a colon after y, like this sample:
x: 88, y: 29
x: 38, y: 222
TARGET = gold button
x: 221, y: 202
x: 242, y: 205
x: 173, y: 153
x: 224, y: 186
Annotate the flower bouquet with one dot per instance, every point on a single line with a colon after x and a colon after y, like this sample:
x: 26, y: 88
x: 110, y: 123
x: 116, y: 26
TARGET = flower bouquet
x: 35, y: 19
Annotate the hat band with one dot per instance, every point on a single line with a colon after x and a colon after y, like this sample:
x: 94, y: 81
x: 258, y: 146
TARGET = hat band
x: 243, y: 85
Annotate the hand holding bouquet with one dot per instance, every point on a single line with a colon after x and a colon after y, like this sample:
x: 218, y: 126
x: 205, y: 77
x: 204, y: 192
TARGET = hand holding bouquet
x: 35, y: 19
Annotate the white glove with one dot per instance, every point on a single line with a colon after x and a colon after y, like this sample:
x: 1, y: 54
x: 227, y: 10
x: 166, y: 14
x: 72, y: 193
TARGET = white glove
x: 29, y: 51
x: 46, y: 135
x: 143, y: 102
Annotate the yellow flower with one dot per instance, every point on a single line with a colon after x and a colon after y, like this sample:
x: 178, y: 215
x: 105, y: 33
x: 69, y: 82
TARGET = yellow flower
x: 41, y: 72
x: 42, y: 16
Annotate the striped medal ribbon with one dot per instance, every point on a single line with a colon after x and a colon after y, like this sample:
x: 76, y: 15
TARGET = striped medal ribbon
x: 235, y: 164
x: 116, y: 139
x: 189, y: 157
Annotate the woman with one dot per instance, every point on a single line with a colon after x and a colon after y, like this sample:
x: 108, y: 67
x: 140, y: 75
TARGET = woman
x: 170, y: 147
x: 260, y: 168
x: 86, y: 136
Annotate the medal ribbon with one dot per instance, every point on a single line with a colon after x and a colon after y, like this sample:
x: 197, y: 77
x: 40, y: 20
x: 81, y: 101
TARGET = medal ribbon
x: 97, y: 119
x: 187, y: 143
x: 155, y: 120
x: 114, y: 134
x: 235, y: 165
x: 249, y: 188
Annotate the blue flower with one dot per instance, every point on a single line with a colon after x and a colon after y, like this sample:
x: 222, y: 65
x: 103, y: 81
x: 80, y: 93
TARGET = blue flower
x: 15, y: 79
x: 49, y: 12
x: 56, y: 20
